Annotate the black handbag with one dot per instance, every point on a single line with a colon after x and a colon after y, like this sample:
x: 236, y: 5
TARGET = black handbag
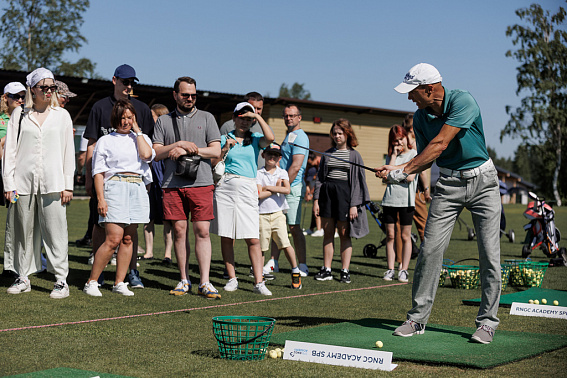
x: 187, y: 166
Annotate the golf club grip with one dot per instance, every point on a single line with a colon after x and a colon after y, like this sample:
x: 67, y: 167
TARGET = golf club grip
x: 333, y: 157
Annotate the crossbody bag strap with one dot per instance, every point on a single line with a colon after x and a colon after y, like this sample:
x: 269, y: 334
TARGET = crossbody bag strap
x: 175, y: 126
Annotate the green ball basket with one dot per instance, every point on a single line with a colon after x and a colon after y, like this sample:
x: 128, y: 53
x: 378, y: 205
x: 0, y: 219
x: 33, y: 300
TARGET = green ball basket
x: 533, y: 272
x: 464, y: 276
x: 506, y: 268
x: 243, y: 337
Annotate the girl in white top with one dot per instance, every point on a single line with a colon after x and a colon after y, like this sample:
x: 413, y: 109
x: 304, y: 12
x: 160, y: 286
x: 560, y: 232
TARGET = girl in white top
x: 38, y: 169
x: 399, y: 203
x: 121, y: 172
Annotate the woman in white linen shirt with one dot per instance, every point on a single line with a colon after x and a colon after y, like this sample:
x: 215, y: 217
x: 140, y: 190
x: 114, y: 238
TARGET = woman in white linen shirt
x: 38, y: 169
x: 121, y: 172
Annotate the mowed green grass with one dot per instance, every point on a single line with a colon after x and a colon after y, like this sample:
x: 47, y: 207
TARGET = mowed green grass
x: 181, y: 343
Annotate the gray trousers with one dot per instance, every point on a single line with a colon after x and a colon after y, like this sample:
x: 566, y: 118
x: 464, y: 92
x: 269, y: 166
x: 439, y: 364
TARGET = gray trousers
x: 38, y: 216
x: 481, y: 196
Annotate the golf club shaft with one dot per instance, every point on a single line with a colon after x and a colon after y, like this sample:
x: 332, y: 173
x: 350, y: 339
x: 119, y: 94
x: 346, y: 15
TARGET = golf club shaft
x: 334, y: 157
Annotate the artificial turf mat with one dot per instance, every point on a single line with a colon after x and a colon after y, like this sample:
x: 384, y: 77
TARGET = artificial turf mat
x: 66, y: 373
x: 439, y: 344
x: 524, y: 296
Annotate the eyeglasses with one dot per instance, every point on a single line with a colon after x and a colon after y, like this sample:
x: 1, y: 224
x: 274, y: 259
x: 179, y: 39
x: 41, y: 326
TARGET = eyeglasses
x: 16, y: 96
x: 128, y: 83
x: 290, y: 116
x: 187, y: 95
x: 45, y: 88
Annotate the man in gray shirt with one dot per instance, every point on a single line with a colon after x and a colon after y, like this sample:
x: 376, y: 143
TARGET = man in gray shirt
x: 199, y: 135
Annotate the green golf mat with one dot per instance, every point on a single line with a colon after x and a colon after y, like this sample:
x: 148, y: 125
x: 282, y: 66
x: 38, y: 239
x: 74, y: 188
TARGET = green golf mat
x: 524, y: 296
x: 66, y: 373
x: 439, y: 344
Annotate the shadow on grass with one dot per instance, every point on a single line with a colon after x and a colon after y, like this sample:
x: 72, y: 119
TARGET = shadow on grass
x: 391, y: 325
x: 304, y: 321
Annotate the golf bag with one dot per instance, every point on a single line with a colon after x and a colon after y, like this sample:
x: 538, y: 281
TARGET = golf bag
x: 541, y: 231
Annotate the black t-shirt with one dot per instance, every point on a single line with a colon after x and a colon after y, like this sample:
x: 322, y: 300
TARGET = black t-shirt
x: 98, y: 123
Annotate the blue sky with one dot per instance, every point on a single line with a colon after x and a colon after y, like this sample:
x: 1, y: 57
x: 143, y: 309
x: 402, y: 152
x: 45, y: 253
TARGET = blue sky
x: 344, y: 52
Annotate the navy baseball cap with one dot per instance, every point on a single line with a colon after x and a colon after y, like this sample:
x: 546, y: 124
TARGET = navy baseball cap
x: 273, y: 148
x: 125, y: 72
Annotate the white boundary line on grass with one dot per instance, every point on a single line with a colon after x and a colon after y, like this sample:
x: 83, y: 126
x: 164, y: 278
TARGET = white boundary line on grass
x: 196, y: 308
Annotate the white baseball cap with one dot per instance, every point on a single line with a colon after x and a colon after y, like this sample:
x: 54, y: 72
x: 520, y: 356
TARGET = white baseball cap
x: 422, y: 73
x: 14, y: 87
x: 241, y: 105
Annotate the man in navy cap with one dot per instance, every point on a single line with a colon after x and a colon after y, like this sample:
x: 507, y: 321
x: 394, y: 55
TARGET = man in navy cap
x: 98, y: 125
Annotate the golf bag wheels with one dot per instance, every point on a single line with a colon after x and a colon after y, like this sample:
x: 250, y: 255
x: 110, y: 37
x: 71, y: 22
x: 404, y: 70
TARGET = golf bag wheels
x: 526, y: 251
x: 370, y: 250
x: 470, y: 233
x: 563, y: 255
x: 511, y: 236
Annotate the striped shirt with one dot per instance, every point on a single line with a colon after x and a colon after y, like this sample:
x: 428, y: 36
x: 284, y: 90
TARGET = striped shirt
x: 338, y: 170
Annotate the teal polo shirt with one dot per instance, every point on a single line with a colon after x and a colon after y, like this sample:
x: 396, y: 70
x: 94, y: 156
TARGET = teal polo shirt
x: 243, y: 160
x: 468, y: 148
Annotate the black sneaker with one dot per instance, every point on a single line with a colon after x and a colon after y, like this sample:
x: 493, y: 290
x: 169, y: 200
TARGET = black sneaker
x: 345, y: 276
x: 267, y: 276
x: 324, y: 275
x: 84, y: 242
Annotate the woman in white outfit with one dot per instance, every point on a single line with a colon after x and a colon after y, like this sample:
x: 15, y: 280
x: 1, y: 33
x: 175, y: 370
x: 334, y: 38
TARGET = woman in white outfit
x: 38, y: 169
x: 121, y: 172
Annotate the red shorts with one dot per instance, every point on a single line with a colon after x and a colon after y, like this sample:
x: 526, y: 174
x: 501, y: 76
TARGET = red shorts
x: 179, y: 202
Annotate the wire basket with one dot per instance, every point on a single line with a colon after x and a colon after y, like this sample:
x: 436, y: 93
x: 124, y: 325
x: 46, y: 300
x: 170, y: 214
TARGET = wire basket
x: 464, y: 276
x: 506, y: 268
x: 243, y: 337
x: 533, y: 272
x: 515, y: 275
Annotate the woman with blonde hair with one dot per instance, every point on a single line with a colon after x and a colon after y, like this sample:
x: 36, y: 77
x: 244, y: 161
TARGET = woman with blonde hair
x: 38, y: 171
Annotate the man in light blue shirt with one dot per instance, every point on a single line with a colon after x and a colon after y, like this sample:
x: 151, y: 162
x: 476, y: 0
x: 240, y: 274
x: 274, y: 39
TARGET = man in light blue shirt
x: 448, y: 129
x: 294, y: 160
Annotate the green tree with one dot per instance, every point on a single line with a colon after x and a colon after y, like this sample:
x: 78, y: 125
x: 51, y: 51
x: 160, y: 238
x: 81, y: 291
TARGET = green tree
x: 296, y: 91
x: 541, y: 119
x: 37, y: 33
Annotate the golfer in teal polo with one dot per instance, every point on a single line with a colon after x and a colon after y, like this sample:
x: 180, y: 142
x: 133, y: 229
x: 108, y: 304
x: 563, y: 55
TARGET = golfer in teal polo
x: 448, y: 130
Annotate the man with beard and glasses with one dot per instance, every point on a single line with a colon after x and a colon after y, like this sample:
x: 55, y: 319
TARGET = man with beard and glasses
x: 198, y: 135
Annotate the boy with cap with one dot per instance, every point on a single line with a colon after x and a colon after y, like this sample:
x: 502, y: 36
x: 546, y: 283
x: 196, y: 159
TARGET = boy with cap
x: 273, y: 186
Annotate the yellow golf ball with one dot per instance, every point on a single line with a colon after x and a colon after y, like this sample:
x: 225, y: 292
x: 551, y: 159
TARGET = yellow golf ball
x: 531, y: 301
x: 556, y: 303
x: 379, y: 344
x: 273, y: 354
x: 536, y: 302
x: 544, y: 301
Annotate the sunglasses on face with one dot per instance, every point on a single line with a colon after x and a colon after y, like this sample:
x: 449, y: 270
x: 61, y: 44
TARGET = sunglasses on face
x: 45, y: 88
x: 128, y: 83
x: 16, y: 96
x: 188, y: 95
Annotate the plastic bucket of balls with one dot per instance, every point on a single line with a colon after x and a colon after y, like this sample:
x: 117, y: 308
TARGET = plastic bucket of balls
x: 444, y: 271
x: 464, y: 276
x: 533, y: 272
x: 506, y: 268
x: 243, y: 337
x: 515, y: 275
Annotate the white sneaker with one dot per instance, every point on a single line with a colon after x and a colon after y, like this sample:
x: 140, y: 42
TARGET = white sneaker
x: 318, y: 234
x: 60, y: 290
x: 91, y: 288
x: 271, y: 266
x: 403, y: 276
x: 262, y: 289
x: 122, y: 288
x: 303, y: 270
x: 21, y: 285
x: 389, y: 275
x: 231, y: 285
x: 91, y: 259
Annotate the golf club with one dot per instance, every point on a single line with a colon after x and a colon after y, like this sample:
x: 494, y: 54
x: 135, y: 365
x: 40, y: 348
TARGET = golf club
x: 333, y: 157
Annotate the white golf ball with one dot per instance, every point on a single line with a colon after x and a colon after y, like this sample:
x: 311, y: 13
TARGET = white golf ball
x: 536, y: 301
x: 531, y: 301
x: 556, y: 303
x: 379, y: 344
x: 544, y: 301
x: 273, y: 354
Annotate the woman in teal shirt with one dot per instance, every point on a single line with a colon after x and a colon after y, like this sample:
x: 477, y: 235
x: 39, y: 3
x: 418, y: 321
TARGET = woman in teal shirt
x: 236, y: 194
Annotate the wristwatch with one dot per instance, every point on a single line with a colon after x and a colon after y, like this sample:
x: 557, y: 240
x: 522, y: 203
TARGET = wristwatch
x: 397, y: 175
x: 139, y: 133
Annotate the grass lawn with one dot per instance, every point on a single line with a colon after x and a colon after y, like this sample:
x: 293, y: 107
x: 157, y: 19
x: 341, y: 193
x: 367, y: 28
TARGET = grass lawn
x: 181, y: 343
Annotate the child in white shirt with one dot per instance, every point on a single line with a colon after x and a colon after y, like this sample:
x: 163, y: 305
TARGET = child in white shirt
x: 273, y: 185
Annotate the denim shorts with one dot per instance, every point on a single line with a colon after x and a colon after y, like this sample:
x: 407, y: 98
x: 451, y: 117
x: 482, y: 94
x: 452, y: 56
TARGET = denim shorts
x: 128, y: 203
x: 294, y: 200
